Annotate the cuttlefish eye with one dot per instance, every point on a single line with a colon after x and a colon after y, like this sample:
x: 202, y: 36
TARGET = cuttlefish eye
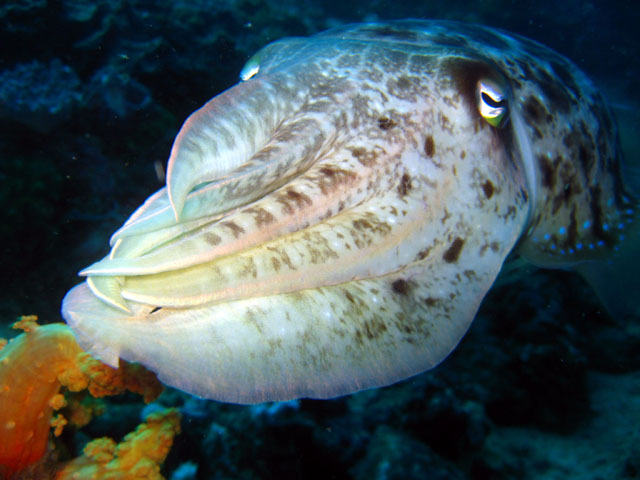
x: 492, y: 102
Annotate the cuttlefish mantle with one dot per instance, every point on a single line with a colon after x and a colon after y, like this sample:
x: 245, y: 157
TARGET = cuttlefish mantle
x: 332, y: 223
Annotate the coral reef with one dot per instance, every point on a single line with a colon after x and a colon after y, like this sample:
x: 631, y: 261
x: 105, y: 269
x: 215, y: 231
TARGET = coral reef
x: 38, y: 95
x: 139, y: 455
x: 35, y: 366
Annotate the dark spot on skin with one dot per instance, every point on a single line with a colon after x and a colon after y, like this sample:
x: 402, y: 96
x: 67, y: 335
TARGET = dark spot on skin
x: 470, y: 274
x: 358, y: 335
x: 292, y: 197
x: 429, y: 146
x: 554, y: 91
x: 392, y: 33
x: 453, y: 252
x: 586, y: 159
x: 567, y: 191
x: 212, y: 238
x: 286, y: 208
x: 430, y: 301
x: 251, y: 318
x: 326, y: 215
x: 261, y: 216
x: 358, y: 151
x: 487, y: 188
x: 364, y: 157
x: 526, y: 70
x: 449, y: 40
x: 547, y: 170
x: 463, y: 154
x: 563, y: 197
x: 572, y: 231
x: 385, y: 123
x: 405, y: 185
x: 596, y: 214
x: 575, y: 142
x: 495, y: 246
x: 371, y: 328
x: 361, y: 224
x: 535, y: 112
x: 275, y: 263
x: 588, y: 153
x: 536, y: 131
x: 511, y: 212
x: 283, y: 256
x: 401, y: 287
x: 562, y: 69
x: 424, y: 253
x: 404, y: 83
x: 327, y: 172
x: 349, y: 296
x: 331, y: 177
x: 445, y: 217
x: 249, y: 269
x: 299, y: 198
x: 236, y: 229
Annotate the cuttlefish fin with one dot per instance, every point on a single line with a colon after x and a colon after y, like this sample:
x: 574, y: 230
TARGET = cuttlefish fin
x: 615, y: 279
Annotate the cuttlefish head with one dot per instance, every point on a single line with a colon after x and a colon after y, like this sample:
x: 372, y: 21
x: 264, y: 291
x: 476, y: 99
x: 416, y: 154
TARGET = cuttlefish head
x: 330, y: 224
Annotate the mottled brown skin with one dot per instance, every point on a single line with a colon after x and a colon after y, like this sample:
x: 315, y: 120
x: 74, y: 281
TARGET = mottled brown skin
x: 582, y: 203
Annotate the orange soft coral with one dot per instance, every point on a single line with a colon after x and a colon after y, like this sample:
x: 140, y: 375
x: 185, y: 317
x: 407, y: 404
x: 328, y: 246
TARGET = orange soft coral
x: 30, y: 365
x: 33, y: 367
x: 139, y: 456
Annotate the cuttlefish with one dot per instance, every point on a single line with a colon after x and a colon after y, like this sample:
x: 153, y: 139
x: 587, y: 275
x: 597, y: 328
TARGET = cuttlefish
x: 333, y: 222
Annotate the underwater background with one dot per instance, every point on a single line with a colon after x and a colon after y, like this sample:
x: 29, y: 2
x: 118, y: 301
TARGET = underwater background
x: 546, y: 384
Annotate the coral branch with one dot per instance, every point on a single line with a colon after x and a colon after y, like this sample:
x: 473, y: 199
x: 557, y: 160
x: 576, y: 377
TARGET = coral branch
x: 139, y: 455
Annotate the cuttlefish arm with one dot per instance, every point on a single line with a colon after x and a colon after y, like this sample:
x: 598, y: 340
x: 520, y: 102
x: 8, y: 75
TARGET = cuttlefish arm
x: 330, y: 224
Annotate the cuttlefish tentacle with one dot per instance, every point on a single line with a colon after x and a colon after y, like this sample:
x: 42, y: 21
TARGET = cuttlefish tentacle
x: 270, y: 167
x: 333, y: 223
x: 365, y: 238
x: 219, y: 137
x: 346, y: 175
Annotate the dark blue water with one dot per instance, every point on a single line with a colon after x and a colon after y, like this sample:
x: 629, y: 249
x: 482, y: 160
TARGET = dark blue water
x: 545, y: 385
